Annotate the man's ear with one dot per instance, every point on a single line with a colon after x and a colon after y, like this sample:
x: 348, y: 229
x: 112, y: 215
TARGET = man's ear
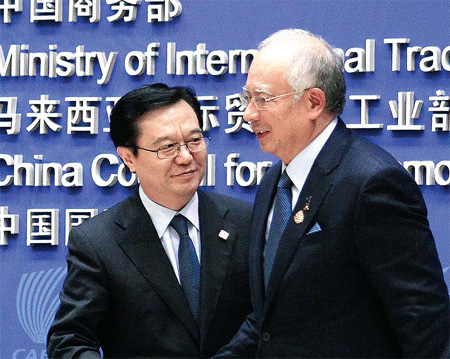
x: 127, y: 157
x: 316, y: 102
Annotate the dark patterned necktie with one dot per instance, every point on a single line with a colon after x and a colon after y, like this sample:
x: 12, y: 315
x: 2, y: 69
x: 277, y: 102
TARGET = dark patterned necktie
x: 189, y: 266
x: 281, y: 213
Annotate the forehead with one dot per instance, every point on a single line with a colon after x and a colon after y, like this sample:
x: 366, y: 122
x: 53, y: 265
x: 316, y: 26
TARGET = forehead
x: 267, y: 73
x: 180, y: 114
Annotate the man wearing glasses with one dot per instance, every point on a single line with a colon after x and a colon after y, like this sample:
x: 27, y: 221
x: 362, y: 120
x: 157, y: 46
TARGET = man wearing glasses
x: 165, y: 272
x: 342, y: 260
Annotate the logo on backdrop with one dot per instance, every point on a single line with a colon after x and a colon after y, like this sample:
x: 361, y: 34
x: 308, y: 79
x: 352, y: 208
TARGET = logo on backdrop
x: 37, y: 301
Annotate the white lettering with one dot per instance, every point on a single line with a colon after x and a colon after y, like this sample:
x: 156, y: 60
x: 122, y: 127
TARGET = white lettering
x: 39, y: 174
x: 202, y: 62
x: 19, y: 61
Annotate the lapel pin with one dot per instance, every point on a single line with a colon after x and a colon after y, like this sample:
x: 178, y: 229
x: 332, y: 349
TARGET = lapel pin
x: 308, y: 202
x: 223, y: 234
x: 300, y: 216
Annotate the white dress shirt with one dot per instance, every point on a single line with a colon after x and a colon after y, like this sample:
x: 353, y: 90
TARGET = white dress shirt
x: 161, y: 218
x: 299, y: 168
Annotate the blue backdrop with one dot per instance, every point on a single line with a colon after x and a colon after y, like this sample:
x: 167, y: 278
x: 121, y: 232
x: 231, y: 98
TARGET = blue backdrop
x: 397, y: 61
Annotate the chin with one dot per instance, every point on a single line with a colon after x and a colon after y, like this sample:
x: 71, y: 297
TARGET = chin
x: 266, y: 149
x: 188, y: 188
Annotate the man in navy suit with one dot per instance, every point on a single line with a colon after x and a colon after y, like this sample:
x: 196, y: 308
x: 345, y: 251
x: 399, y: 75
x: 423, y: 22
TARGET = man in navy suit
x: 163, y: 273
x: 348, y: 268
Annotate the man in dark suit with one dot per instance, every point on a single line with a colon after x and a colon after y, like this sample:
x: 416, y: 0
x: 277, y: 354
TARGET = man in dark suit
x: 342, y: 260
x: 163, y: 273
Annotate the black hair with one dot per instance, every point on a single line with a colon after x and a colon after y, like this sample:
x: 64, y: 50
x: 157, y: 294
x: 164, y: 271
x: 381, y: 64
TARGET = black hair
x: 132, y: 106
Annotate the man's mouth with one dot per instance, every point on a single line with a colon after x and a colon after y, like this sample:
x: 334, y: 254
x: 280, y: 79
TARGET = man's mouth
x: 258, y: 132
x: 185, y: 173
x: 261, y: 133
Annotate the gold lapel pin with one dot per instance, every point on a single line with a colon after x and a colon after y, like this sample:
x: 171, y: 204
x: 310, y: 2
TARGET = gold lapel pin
x: 299, y: 217
x: 223, y: 234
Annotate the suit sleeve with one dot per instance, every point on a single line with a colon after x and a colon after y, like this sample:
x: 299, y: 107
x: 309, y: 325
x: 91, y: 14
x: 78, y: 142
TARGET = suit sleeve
x: 245, y: 342
x: 397, y: 250
x: 84, y: 304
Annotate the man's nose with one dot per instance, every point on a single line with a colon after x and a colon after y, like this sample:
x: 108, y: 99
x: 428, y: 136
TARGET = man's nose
x: 184, y: 155
x: 251, y: 113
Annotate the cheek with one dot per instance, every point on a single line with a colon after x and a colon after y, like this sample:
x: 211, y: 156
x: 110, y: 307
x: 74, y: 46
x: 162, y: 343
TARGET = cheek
x: 278, y: 127
x: 201, y: 157
x: 150, y: 172
x: 275, y: 120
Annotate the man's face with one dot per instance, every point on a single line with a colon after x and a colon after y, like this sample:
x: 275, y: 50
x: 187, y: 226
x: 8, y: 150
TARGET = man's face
x: 169, y: 182
x: 282, y: 128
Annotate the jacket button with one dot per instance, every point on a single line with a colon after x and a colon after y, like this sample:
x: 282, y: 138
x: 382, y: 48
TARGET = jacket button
x: 265, y: 337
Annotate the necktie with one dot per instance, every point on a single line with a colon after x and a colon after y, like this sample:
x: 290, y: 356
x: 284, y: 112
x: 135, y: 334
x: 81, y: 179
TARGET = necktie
x: 281, y: 213
x: 189, y: 266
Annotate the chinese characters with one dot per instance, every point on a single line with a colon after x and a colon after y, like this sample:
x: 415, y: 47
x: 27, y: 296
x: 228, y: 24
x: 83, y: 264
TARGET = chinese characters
x: 122, y: 10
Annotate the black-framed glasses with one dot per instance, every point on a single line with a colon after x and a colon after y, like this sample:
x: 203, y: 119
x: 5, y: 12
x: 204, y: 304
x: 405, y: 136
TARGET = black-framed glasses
x: 171, y: 150
x: 261, y: 102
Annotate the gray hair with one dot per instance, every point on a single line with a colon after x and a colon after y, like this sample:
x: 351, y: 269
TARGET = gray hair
x: 314, y: 63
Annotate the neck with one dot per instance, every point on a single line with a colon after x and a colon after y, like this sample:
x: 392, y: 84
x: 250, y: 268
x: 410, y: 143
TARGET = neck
x: 317, y: 127
x: 176, y: 203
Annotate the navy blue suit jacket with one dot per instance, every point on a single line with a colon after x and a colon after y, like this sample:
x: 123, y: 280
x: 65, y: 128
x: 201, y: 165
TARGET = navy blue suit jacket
x: 368, y: 284
x: 121, y: 293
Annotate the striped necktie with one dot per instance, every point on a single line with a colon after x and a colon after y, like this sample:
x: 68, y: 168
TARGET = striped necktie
x: 189, y: 266
x: 281, y: 213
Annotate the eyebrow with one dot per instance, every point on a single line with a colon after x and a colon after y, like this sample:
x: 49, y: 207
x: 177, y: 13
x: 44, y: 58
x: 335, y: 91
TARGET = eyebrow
x: 168, y: 138
x: 258, y: 90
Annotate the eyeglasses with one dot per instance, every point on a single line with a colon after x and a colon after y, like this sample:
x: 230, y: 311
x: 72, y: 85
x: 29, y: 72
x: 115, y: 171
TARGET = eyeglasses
x: 171, y: 150
x: 261, y: 102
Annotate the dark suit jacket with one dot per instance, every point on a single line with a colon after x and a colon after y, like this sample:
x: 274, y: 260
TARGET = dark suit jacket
x: 368, y: 284
x: 121, y: 293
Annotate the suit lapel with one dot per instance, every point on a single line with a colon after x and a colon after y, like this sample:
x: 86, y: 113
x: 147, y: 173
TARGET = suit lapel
x: 316, y: 188
x: 317, y: 185
x: 143, y: 247
x: 261, y: 209
x: 215, y: 256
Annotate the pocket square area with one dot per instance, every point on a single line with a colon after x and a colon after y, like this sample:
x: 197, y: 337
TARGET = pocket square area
x: 314, y: 229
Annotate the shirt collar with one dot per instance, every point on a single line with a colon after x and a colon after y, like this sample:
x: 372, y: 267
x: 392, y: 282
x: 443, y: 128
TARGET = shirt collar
x: 299, y: 168
x: 162, y: 216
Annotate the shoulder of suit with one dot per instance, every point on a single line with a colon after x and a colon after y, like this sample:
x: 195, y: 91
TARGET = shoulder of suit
x: 108, y: 216
x: 227, y: 201
x: 374, y: 154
